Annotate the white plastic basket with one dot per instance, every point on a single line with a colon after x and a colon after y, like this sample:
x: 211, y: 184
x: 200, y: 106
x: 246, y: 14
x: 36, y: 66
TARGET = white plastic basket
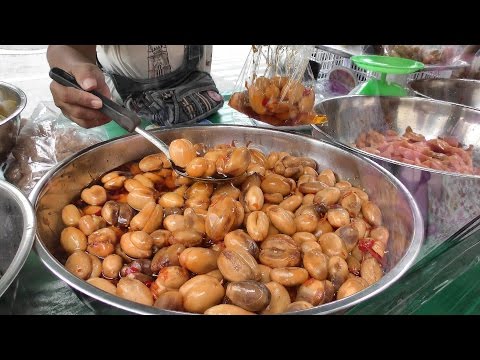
x: 329, y: 60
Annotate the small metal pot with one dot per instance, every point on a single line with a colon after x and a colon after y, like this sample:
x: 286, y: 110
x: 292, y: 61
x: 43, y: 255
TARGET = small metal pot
x: 17, y: 231
x: 9, y: 127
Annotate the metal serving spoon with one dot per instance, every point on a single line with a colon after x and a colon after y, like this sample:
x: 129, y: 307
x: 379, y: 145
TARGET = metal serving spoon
x: 130, y: 121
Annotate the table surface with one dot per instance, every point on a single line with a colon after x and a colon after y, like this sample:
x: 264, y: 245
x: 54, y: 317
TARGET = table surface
x: 444, y: 281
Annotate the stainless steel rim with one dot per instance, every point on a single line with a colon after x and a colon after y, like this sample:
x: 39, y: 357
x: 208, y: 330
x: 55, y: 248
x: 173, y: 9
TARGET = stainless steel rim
x: 417, y: 93
x: 20, y: 106
x: 394, y: 274
x: 369, y: 155
x: 29, y: 227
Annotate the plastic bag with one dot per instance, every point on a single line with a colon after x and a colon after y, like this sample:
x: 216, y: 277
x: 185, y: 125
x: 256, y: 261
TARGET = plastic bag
x: 427, y: 54
x: 43, y: 141
x: 276, y: 85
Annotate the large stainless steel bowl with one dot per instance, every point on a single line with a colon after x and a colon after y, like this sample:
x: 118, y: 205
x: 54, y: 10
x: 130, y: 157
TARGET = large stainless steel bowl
x: 64, y: 182
x: 9, y: 126
x: 446, y: 200
x: 17, y: 232
x: 458, y: 91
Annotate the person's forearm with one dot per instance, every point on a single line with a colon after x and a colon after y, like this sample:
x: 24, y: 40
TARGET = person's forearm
x: 66, y: 56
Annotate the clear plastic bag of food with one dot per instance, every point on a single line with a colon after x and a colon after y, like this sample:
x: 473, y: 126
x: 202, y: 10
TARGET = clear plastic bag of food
x: 276, y: 86
x: 427, y: 54
x: 45, y: 139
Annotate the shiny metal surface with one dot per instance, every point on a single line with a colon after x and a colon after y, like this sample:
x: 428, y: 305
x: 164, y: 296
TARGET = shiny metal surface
x: 459, y: 91
x: 9, y: 127
x: 64, y: 182
x: 446, y: 200
x: 17, y: 232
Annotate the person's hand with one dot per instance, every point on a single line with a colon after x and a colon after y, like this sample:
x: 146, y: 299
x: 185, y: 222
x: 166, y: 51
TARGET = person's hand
x: 78, y: 105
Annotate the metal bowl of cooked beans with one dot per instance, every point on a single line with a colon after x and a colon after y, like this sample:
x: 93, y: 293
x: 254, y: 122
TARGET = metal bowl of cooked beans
x: 431, y: 146
x: 309, y: 229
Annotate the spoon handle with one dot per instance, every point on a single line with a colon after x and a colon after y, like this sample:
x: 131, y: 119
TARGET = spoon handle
x: 122, y: 116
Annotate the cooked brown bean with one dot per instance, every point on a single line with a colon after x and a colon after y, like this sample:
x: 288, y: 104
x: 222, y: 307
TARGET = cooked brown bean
x: 353, y: 265
x: 300, y: 237
x: 132, y: 185
x: 134, y: 290
x: 103, y: 284
x: 361, y: 226
x: 94, y: 195
x: 351, y: 286
x: 279, y: 251
x: 316, y: 263
x: 360, y: 193
x: 306, y: 179
x: 282, y: 220
x: 327, y: 176
x: 153, y: 162
x: 197, y: 167
x: 265, y: 273
x: 111, y: 266
x: 235, y: 163
x: 380, y: 233
x: 238, y: 265
x: 149, y: 219
x: 91, y: 223
x: 371, y: 271
x: 201, y: 292
x: 279, y: 299
x: 257, y: 225
x: 96, y: 266
x: 372, y: 213
x: 220, y: 218
x: 72, y: 239
x: 138, y: 198
x: 298, y: 306
x: 167, y: 256
x: 312, y: 187
x: 332, y: 245
x: 227, y: 309
x: 249, y: 295
x: 254, y: 198
x: 357, y: 253
x: 199, y: 189
x: 102, y: 242
x: 174, y: 222
x: 171, y: 199
x: 182, y: 152
x: 137, y: 244
x: 199, y: 260
x: 337, y: 271
x: 188, y: 238
x: 352, y: 203
x: 239, y: 215
x: 216, y: 274
x: 145, y: 181
x: 308, y: 199
x: 349, y: 235
x: 170, y: 300
x: 117, y: 213
x: 71, y: 214
x: 275, y: 184
x: 272, y: 159
x: 307, y: 170
x: 240, y: 238
x: 343, y: 185
x: 292, y: 202
x: 251, y: 180
x: 172, y: 277
x: 315, y: 292
x: 255, y: 169
x: 306, y: 223
x: 338, y: 217
x: 160, y: 238
x: 327, y: 196
x: 193, y: 221
x: 198, y: 202
x: 323, y: 227
x: 306, y: 246
x: 79, y: 264
x: 92, y: 210
x: 113, y: 180
x: 289, y: 276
